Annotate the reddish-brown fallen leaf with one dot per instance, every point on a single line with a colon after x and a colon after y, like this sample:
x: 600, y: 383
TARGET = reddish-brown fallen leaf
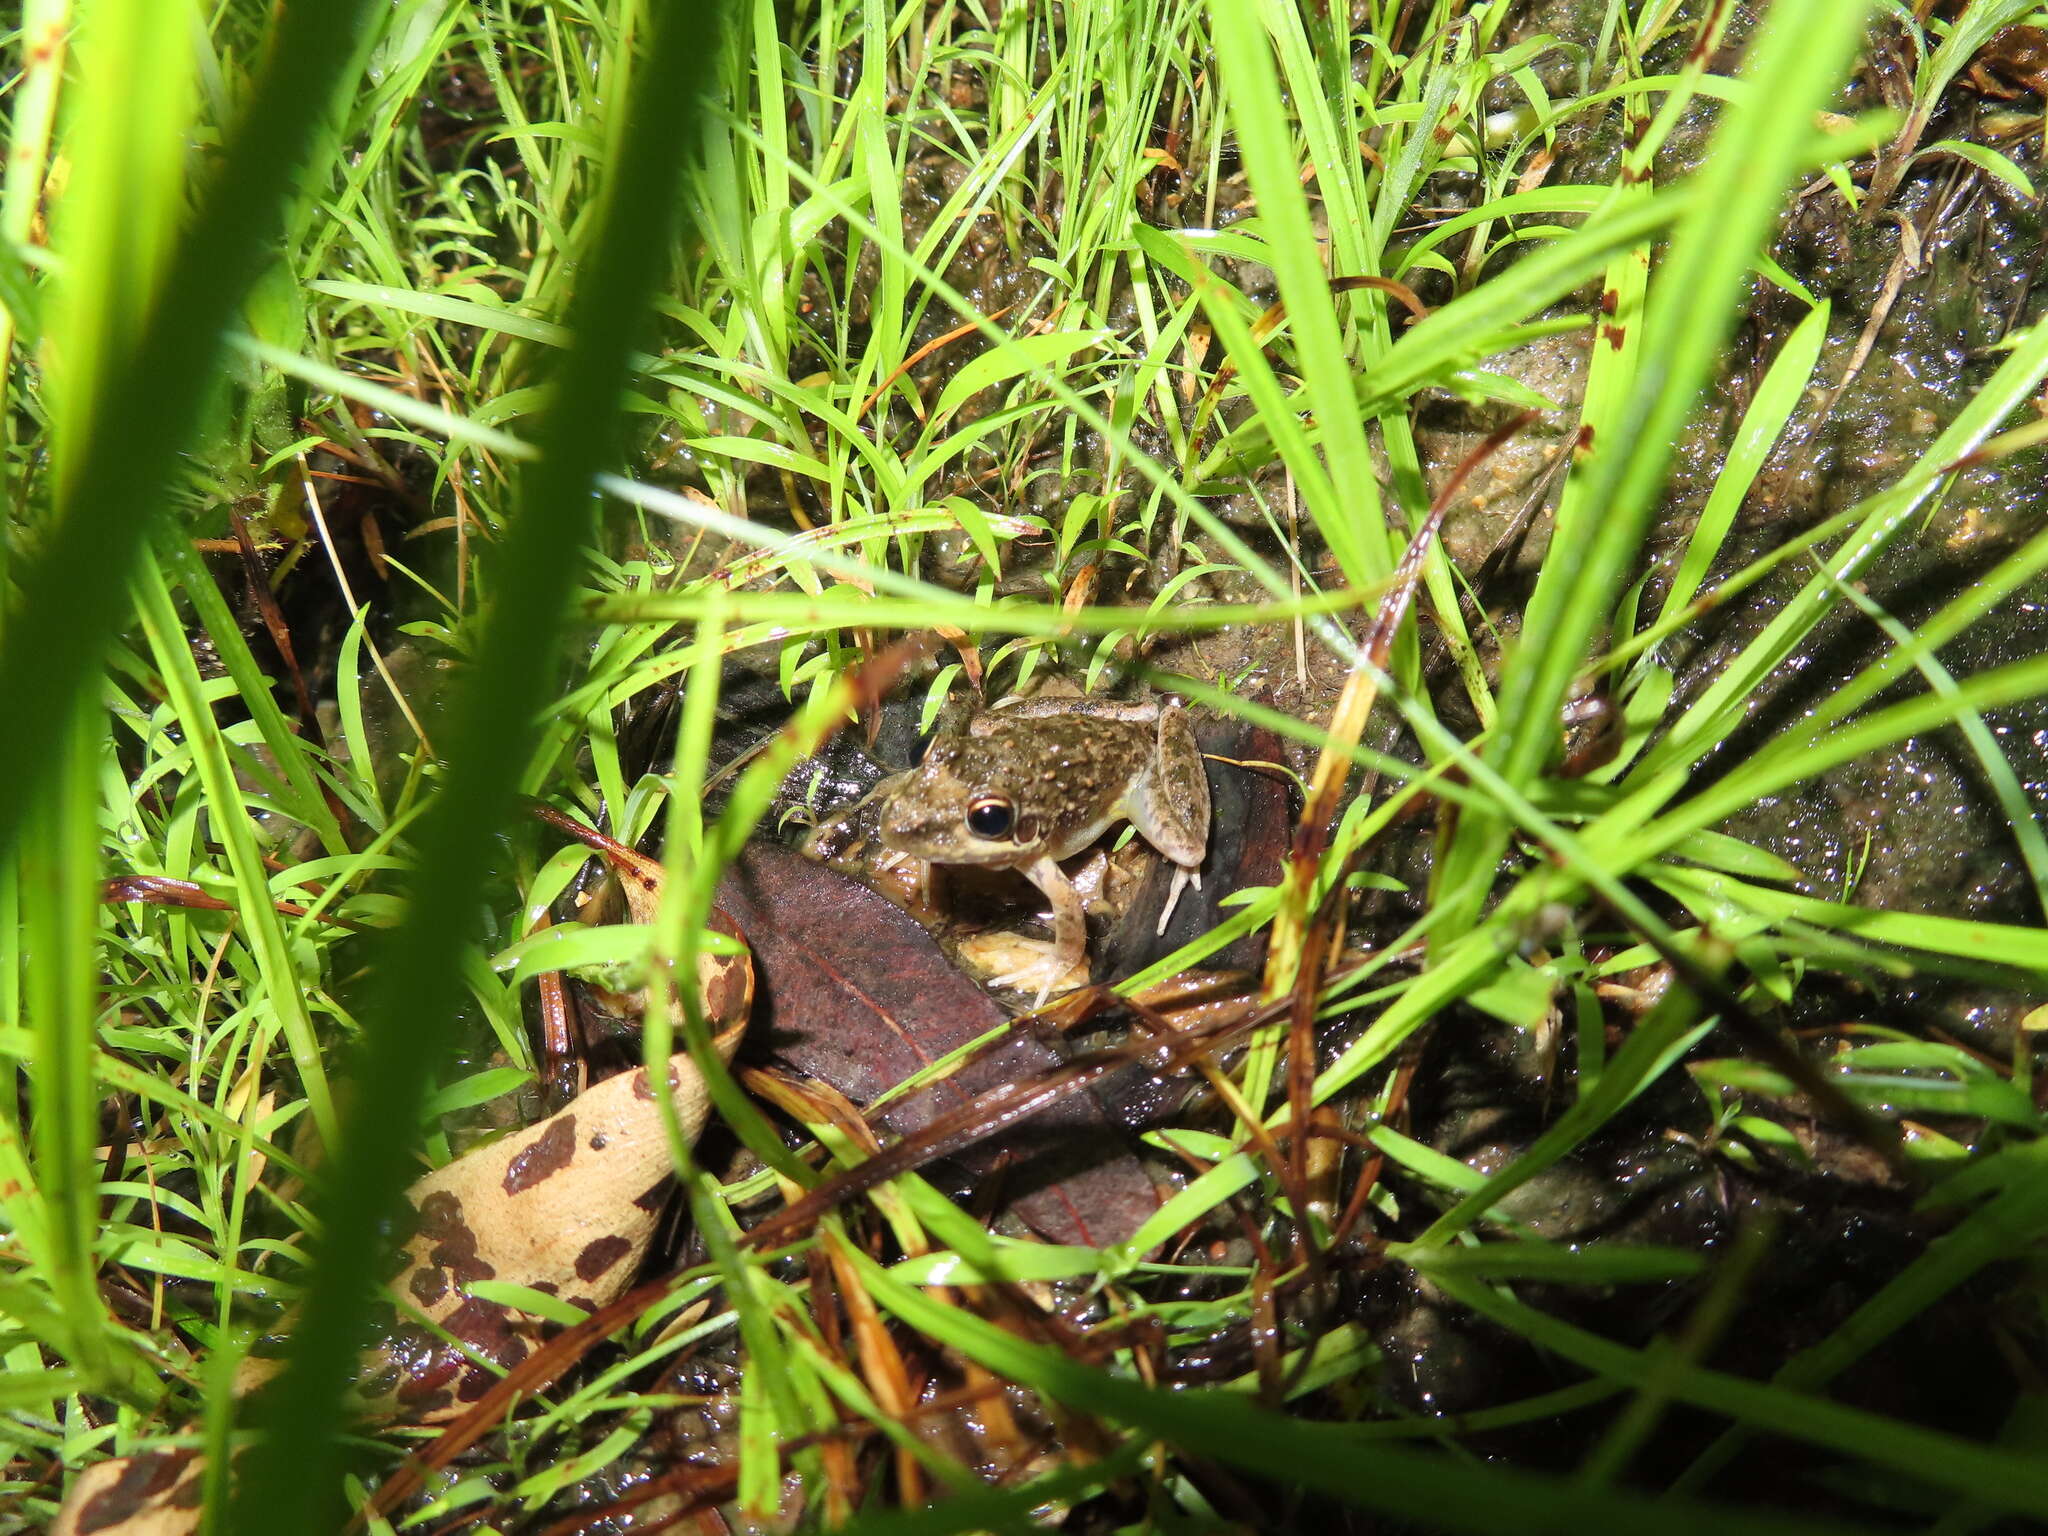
x: 854, y: 992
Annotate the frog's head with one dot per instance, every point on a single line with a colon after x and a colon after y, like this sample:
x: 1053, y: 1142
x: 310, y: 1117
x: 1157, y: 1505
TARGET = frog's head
x: 959, y: 808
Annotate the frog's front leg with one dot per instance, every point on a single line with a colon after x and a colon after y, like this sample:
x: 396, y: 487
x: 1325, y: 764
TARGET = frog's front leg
x: 1169, y: 805
x: 1054, y: 968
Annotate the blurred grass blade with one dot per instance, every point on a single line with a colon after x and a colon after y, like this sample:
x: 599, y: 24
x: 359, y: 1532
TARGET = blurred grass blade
x: 142, y: 374
x: 117, y: 220
x: 60, y: 929
x: 288, y: 1478
x: 45, y: 31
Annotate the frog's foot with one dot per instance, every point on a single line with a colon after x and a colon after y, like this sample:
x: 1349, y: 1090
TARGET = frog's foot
x: 1037, y: 966
x: 1183, y: 877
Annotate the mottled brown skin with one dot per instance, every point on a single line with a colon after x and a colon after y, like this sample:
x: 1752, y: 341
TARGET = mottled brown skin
x: 1033, y: 782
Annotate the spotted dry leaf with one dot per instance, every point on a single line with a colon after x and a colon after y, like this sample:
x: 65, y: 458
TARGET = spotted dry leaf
x: 152, y: 1493
x: 566, y: 1207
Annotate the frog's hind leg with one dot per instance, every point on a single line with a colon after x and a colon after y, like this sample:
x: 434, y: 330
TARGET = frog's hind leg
x: 1170, y: 804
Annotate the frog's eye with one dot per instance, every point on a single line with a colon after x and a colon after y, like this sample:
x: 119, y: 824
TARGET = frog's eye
x: 991, y: 817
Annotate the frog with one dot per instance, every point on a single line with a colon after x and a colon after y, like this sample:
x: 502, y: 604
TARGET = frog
x: 1030, y: 782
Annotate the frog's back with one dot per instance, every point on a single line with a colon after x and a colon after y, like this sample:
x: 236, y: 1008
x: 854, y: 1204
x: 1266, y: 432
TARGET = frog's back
x: 1067, y: 775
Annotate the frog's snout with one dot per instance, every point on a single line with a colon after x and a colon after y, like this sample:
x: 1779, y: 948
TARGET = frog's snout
x: 902, y: 827
x: 893, y: 824
x: 922, y: 819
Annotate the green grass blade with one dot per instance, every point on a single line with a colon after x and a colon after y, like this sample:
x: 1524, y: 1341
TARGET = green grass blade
x: 1777, y: 397
x: 2000, y: 1230
x: 2002, y: 944
x: 1884, y: 516
x: 1353, y: 523
x: 1660, y: 1039
x: 60, y: 931
x: 2004, y: 784
x: 32, y: 115
x: 229, y: 821
x: 2012, y: 1482
x: 118, y: 218
x: 1442, y: 1493
x: 1812, y: 747
x: 305, y: 802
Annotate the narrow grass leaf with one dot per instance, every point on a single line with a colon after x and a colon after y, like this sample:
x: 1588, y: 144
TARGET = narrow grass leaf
x: 1770, y: 411
x: 1882, y: 518
x: 1012, y: 359
x: 2009, y: 1481
x: 1352, y: 523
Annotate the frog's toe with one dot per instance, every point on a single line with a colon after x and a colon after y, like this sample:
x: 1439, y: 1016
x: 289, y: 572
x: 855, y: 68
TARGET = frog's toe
x: 1041, y: 969
x: 1040, y: 980
x: 1183, y: 877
